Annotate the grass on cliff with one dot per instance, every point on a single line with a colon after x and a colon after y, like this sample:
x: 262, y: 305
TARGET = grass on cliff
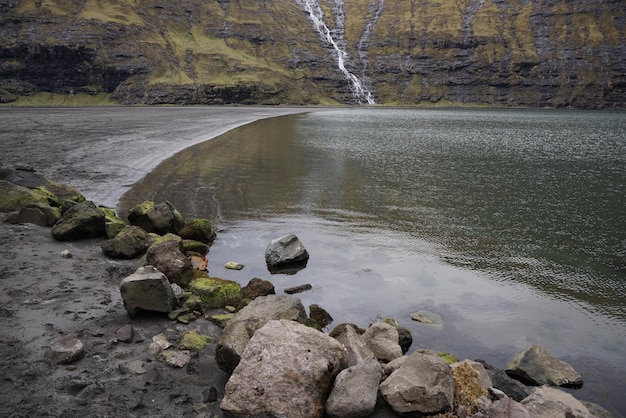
x: 54, y: 99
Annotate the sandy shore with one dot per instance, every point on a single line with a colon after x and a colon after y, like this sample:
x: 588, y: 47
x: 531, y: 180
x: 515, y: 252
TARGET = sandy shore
x: 43, y: 296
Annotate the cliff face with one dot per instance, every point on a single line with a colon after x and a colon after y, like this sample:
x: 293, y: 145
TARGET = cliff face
x: 404, y: 52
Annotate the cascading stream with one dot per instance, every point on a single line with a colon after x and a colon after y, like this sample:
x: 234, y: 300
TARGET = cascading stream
x: 316, y: 16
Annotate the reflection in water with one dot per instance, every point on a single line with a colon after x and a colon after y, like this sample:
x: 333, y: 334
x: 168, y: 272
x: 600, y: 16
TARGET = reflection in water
x: 509, y: 224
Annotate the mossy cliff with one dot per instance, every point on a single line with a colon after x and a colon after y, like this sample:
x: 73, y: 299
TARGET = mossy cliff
x: 406, y: 52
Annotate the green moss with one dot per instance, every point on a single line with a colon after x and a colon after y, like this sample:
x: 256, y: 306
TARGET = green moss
x: 449, y: 358
x: 221, y: 320
x: 187, y: 245
x: 13, y: 197
x: 193, y: 340
x: 215, y: 292
x: 56, y: 99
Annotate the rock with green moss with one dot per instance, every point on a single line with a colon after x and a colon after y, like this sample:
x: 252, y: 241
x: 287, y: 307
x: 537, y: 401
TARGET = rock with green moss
x: 153, y: 238
x: 39, y: 214
x: 191, y: 245
x: 194, y: 341
x: 38, y: 184
x: 449, y: 358
x: 167, y: 258
x: 159, y: 218
x: 129, y: 243
x: 221, y: 320
x: 215, y: 292
x: 113, y: 225
x: 198, y: 230
x: 13, y: 196
x: 81, y: 221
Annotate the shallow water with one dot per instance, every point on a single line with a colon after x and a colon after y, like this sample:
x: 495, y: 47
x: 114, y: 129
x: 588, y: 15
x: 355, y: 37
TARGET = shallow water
x: 508, y: 224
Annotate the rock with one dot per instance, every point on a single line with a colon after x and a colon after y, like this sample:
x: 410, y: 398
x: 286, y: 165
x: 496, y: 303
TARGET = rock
x: 158, y: 344
x: 257, y: 287
x: 508, y: 408
x: 191, y: 245
x: 134, y: 367
x: 382, y: 339
x: 355, y: 391
x: 215, y: 292
x: 154, y: 239
x: 548, y: 402
x: 167, y: 258
x: 471, y: 383
x: 159, y: 218
x: 536, y: 366
x: 41, y: 214
x: 198, y: 230
x: 248, y: 320
x: 194, y: 341
x: 423, y: 385
x: 221, y: 320
x: 12, y: 218
x: 66, y: 350
x: 405, y: 339
x: 298, y: 289
x: 37, y: 183
x: 319, y: 315
x: 147, y: 289
x: 286, y: 370
x: 199, y: 263
x: 13, y: 196
x: 81, y: 221
x: 66, y: 254
x: 427, y: 317
x: 130, y: 242
x: 499, y: 379
x: 125, y: 334
x: 174, y: 358
x: 356, y: 350
x: 232, y: 265
x: 286, y: 255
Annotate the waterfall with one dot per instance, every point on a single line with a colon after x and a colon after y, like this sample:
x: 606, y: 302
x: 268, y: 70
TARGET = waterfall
x: 316, y: 16
x: 470, y: 12
x: 364, y: 41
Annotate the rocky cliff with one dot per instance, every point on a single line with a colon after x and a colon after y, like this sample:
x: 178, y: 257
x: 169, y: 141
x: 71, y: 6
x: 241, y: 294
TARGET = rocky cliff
x: 398, y: 52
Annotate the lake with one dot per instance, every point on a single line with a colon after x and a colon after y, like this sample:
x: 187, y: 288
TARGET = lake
x: 508, y: 224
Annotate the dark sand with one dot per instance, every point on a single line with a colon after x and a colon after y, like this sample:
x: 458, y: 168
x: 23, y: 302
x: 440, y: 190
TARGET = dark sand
x: 43, y: 296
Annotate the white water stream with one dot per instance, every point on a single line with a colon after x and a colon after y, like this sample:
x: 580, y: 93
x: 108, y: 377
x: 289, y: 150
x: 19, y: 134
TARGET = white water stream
x: 316, y: 16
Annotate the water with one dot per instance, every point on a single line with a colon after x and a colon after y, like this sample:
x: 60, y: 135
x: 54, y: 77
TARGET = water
x: 510, y: 224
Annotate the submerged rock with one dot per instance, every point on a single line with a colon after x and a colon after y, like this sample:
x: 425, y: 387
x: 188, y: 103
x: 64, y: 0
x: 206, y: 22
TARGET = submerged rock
x: 286, y: 255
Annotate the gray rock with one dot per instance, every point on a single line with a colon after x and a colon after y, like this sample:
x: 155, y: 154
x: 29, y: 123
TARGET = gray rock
x: 508, y: 408
x: 159, y: 218
x: 257, y: 287
x: 81, y: 221
x: 536, y: 366
x: 405, y: 338
x: 286, y: 370
x: 286, y: 254
x: 298, y: 289
x: 174, y: 358
x: 248, y: 320
x: 511, y: 387
x: 423, y: 385
x: 66, y: 350
x: 356, y: 350
x: 549, y: 402
x: 125, y: 334
x: 167, y: 258
x: 355, y: 391
x: 319, y: 315
x: 39, y: 214
x: 382, y: 339
x: 147, y: 289
x: 130, y: 242
x: 483, y: 376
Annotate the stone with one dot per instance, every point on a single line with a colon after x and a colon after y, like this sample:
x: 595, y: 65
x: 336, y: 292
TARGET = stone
x: 113, y: 225
x: 174, y: 358
x: 356, y: 350
x: 286, y: 370
x: 257, y: 287
x: 535, y: 366
x: 221, y: 320
x: 248, y: 320
x: 483, y: 377
x: 298, y: 289
x: 193, y: 246
x: 286, y: 255
x: 423, y: 385
x: 319, y: 315
x: 499, y: 379
x: 382, y: 339
x: 233, y: 265
x: 355, y: 391
x: 158, y: 344
x: 508, y: 408
x: 81, y: 221
x: 215, y: 292
x: 471, y: 383
x: 405, y: 339
x: 194, y: 341
x: 13, y: 196
x: 168, y: 258
x: 427, y: 317
x: 66, y: 350
x: 129, y: 243
x: 147, y: 289
x: 159, y: 218
x: 134, y: 367
x: 66, y: 254
x: 550, y: 402
x: 41, y: 214
x: 198, y: 230
x: 125, y: 334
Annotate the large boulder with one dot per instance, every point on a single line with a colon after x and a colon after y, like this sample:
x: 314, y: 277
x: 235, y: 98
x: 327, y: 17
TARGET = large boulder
x: 80, y: 221
x: 383, y: 340
x: 286, y: 255
x: 549, y: 402
x: 147, y: 289
x: 159, y: 218
x: 471, y: 383
x: 355, y: 391
x: 248, y: 320
x: 113, y: 225
x: 535, y: 366
x: 500, y: 380
x: 422, y: 385
x: 286, y: 370
x: 508, y: 408
x: 198, y: 230
x: 130, y: 242
x: 39, y: 214
x: 168, y: 259
x: 30, y: 179
x: 405, y: 338
x: 356, y: 350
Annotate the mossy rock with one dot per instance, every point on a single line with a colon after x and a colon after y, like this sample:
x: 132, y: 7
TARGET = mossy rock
x: 449, y: 358
x: 198, y: 230
x: 155, y: 239
x: 31, y: 180
x: 130, y: 242
x: 13, y: 197
x: 221, y: 320
x: 160, y: 218
x: 113, y: 224
x: 194, y: 341
x: 190, y: 245
x: 39, y: 214
x: 215, y: 292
